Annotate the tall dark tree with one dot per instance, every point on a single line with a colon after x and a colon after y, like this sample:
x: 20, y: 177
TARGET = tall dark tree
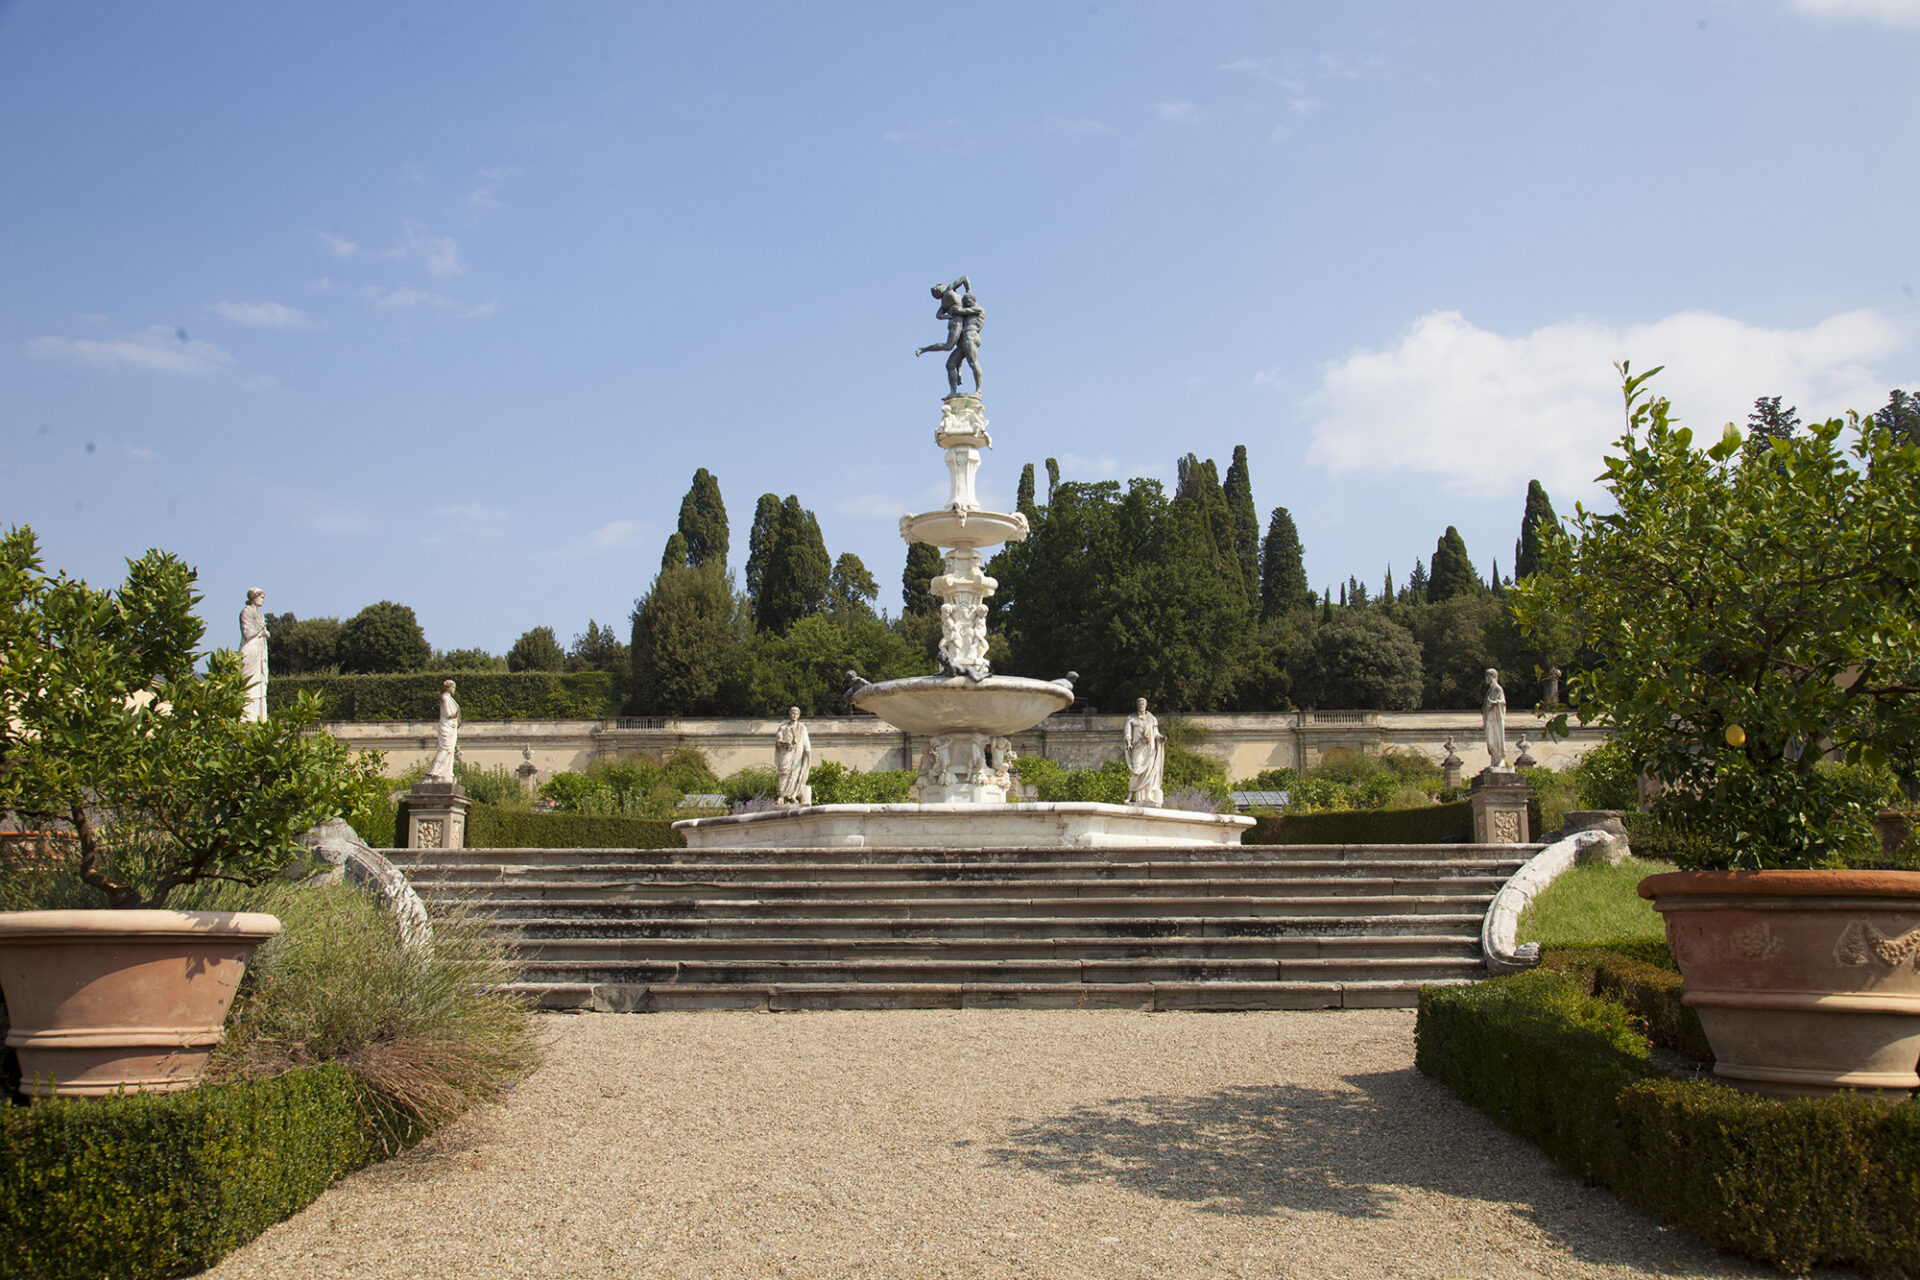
x: 383, y: 637
x: 1199, y: 488
x: 536, y: 650
x: 851, y: 590
x: 1386, y: 586
x: 685, y: 644
x: 1283, y: 570
x: 1356, y: 593
x: 760, y: 538
x: 675, y: 556
x: 1537, y: 522
x: 1901, y: 416
x: 794, y: 583
x: 1023, y: 497
x: 1246, y: 520
x: 1769, y: 422
x: 1053, y: 479
x: 1452, y: 572
x: 1360, y: 659
x: 303, y: 646
x: 598, y: 648
x: 923, y: 566
x: 1416, y: 589
x: 703, y: 522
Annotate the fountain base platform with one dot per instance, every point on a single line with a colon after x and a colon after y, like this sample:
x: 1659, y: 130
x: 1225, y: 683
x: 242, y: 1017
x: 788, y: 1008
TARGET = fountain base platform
x: 965, y: 826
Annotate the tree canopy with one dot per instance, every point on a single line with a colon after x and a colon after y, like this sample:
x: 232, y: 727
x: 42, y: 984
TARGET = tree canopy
x: 703, y: 522
x: 537, y: 650
x: 383, y: 637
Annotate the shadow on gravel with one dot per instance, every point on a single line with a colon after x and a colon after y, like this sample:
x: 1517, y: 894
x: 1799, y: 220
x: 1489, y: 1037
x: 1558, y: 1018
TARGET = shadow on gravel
x: 1259, y: 1149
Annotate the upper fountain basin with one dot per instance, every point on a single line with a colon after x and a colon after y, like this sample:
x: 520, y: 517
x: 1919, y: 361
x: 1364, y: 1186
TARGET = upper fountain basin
x: 950, y: 528
x: 934, y: 705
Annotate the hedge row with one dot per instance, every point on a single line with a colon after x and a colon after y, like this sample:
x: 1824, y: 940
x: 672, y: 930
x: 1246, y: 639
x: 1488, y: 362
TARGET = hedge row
x: 483, y: 695
x: 1801, y: 1183
x: 153, y: 1185
x: 1430, y: 824
x: 492, y: 828
x: 1642, y: 977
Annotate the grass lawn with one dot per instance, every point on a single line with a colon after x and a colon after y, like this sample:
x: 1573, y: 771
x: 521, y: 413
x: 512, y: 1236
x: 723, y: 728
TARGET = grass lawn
x: 1595, y: 904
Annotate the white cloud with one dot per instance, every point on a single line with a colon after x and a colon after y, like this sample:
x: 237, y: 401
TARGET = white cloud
x: 482, y: 199
x: 342, y: 248
x: 407, y: 297
x: 616, y: 534
x: 161, y: 349
x: 261, y: 315
x: 140, y: 452
x: 1483, y: 412
x: 1179, y: 112
x: 1892, y: 13
x: 440, y: 253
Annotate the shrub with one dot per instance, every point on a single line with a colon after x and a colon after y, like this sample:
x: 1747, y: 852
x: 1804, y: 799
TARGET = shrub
x: 834, y: 783
x: 1193, y: 799
x: 1607, y: 778
x: 748, y: 783
x: 1638, y: 974
x: 537, y: 650
x: 484, y: 695
x: 488, y: 786
x: 383, y: 637
x: 1434, y: 824
x: 491, y: 828
x: 1055, y: 784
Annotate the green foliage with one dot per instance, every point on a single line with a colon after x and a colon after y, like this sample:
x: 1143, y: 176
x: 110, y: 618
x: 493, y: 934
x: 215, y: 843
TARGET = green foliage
x: 1769, y: 422
x: 703, y: 524
x: 1432, y: 824
x: 851, y: 590
x: 836, y: 784
x: 1593, y: 904
x: 466, y: 660
x: 1023, y: 495
x: 143, y: 1186
x: 1053, y: 783
x: 1451, y: 573
x: 489, y: 786
x: 1639, y: 974
x: 483, y: 695
x: 795, y: 571
x: 1606, y: 777
x: 537, y: 650
x: 383, y: 638
x: 491, y: 828
x: 745, y: 784
x: 1900, y: 417
x: 110, y: 730
x: 761, y: 537
x: 1795, y: 1183
x: 1746, y: 607
x: 686, y: 644
x: 1455, y: 653
x: 303, y: 646
x: 1361, y: 659
x: 807, y: 666
x: 1246, y: 521
x: 923, y: 566
x: 674, y: 555
x: 1538, y: 524
x: 633, y: 788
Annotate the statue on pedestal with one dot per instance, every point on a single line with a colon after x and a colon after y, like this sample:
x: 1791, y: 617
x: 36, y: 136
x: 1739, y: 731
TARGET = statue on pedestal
x: 1493, y: 712
x: 964, y: 318
x: 253, y: 655
x: 793, y: 759
x: 447, y: 737
x: 1146, y: 750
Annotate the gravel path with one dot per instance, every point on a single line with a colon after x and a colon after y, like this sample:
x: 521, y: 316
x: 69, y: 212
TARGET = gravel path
x: 975, y: 1144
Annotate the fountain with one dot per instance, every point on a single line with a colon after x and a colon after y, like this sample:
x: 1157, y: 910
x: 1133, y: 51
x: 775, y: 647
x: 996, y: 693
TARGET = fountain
x: 967, y: 714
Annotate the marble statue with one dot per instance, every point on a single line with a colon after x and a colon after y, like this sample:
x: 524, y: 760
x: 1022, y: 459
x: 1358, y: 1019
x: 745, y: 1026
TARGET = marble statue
x: 793, y: 759
x: 1493, y: 711
x: 1550, y: 687
x: 253, y: 655
x: 964, y: 318
x: 1146, y: 750
x: 448, y: 737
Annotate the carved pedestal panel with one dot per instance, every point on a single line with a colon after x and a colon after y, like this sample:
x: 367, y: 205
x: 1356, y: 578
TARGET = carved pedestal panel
x: 1499, y: 798
x: 437, y: 816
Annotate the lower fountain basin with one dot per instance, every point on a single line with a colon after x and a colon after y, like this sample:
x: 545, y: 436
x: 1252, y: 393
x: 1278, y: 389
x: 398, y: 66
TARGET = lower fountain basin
x: 934, y: 705
x: 938, y: 827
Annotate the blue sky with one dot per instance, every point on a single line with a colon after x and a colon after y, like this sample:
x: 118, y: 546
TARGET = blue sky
x: 445, y: 304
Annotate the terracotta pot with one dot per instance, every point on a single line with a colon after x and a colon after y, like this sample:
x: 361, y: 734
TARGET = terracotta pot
x: 1804, y: 980
x: 103, y: 1001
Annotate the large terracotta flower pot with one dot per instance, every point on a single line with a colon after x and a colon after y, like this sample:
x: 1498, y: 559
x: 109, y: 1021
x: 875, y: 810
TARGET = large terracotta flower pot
x: 103, y: 1001
x: 1804, y: 980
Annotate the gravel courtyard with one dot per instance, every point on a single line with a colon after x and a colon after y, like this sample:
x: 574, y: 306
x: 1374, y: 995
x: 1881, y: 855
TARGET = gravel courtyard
x: 975, y: 1144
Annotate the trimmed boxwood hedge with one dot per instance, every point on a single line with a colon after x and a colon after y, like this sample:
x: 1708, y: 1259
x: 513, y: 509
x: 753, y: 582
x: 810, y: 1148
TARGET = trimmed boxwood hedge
x: 492, y: 828
x: 483, y: 695
x: 1643, y: 978
x: 158, y: 1185
x: 1429, y: 824
x: 1796, y: 1183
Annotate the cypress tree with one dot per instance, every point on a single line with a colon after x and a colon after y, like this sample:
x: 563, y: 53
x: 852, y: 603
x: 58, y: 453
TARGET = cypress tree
x: 1537, y: 522
x: 1386, y: 587
x: 1246, y: 520
x: 1023, y: 497
x: 703, y: 522
x: 1283, y: 570
x: 794, y: 582
x: 675, y: 556
x: 1199, y: 488
x: 1416, y: 589
x: 1452, y: 573
x: 760, y: 539
x: 684, y: 649
x: 1053, y: 479
x: 924, y: 564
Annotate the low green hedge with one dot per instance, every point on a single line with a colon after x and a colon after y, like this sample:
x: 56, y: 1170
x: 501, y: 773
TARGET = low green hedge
x: 1643, y: 978
x: 150, y: 1186
x: 1429, y: 824
x: 492, y: 828
x: 483, y: 695
x: 1795, y: 1183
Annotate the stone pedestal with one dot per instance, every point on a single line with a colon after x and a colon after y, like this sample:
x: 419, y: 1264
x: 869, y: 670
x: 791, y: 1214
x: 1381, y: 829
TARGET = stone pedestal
x: 1499, y: 798
x: 437, y: 816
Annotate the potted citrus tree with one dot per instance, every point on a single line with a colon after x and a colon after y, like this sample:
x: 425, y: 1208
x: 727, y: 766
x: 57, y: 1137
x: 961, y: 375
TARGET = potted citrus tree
x: 1751, y: 613
x: 112, y: 734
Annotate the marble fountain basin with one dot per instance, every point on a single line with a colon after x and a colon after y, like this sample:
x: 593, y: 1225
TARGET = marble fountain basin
x: 937, y: 705
x: 964, y: 528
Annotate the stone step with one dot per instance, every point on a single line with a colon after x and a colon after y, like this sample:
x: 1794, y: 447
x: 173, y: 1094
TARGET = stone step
x: 1025, y: 972
x: 919, y: 890
x: 447, y: 875
x: 408, y: 859
x: 1364, y: 926
x: 1226, y: 996
x: 1459, y: 947
x: 719, y: 908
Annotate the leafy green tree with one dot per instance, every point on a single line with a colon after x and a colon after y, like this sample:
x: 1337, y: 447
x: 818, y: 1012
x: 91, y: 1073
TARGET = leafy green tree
x: 112, y: 730
x: 1452, y: 571
x: 806, y: 666
x: 537, y: 650
x: 1023, y: 496
x: 675, y: 556
x: 1769, y: 422
x: 924, y: 564
x: 703, y: 522
x: 1363, y: 660
x: 1416, y: 589
x: 1283, y: 569
x: 1537, y: 522
x: 1900, y: 417
x: 760, y: 540
x: 850, y: 588
x: 1246, y: 521
x: 383, y: 637
x: 795, y: 581
x: 1455, y: 652
x: 1053, y: 479
x: 599, y: 649
x: 1199, y: 486
x: 466, y: 660
x: 1745, y: 616
x: 686, y: 644
x: 303, y: 646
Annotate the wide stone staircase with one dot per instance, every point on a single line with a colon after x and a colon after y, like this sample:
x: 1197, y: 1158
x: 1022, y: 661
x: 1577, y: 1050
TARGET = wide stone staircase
x: 1253, y: 927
